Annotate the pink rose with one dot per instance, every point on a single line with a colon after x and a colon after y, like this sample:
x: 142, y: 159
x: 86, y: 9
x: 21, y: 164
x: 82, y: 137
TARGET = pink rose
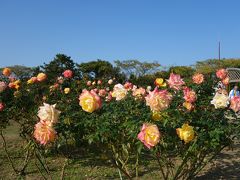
x: 99, y: 82
x: 149, y: 135
x: 89, y: 83
x: 128, y: 85
x: 189, y: 95
x: 221, y: 73
x: 44, y: 132
x: 158, y: 100
x: 235, y: 104
x: 3, y: 86
x: 109, y: 97
x: 60, y: 80
x: 1, y: 106
x: 175, y: 81
x: 102, y: 92
x: 68, y: 74
x: 198, y: 78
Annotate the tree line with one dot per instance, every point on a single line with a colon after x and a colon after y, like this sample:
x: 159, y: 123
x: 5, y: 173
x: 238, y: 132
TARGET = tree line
x: 133, y: 70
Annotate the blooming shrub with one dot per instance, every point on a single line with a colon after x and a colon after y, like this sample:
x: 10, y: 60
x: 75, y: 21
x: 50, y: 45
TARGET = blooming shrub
x: 180, y: 124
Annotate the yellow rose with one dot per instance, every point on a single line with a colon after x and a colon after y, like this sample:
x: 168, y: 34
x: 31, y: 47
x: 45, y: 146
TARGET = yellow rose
x: 189, y: 106
x: 186, y: 133
x: 160, y: 82
x: 89, y: 101
x: 67, y: 90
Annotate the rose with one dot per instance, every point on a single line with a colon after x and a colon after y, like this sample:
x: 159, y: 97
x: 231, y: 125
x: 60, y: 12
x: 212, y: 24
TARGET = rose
x: 175, y: 81
x: 128, y: 85
x: 6, y: 72
x: 139, y: 92
x: 15, y: 84
x: 225, y: 81
x: 1, y: 106
x: 3, y: 86
x: 68, y: 73
x: 54, y: 87
x: 149, y: 88
x: 67, y: 90
x: 109, y: 97
x: 149, y: 135
x: 89, y: 83
x: 110, y: 81
x: 41, y: 77
x: 158, y: 100
x: 235, y: 104
x: 102, y: 92
x: 49, y: 113
x: 198, y: 78
x: 220, y: 101
x: 60, y: 80
x: 189, y: 106
x: 89, y: 101
x: 32, y: 80
x: 99, y: 82
x: 221, y: 73
x: 160, y: 82
x: 186, y: 133
x: 119, y: 92
x: 189, y: 95
x: 44, y: 132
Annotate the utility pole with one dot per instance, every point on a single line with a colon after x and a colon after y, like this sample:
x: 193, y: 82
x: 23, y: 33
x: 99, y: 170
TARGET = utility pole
x: 219, y: 50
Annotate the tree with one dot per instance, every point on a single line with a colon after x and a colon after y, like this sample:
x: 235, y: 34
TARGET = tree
x: 183, y: 71
x: 21, y: 72
x: 58, y: 65
x: 136, y: 67
x: 99, y: 69
x: 211, y: 65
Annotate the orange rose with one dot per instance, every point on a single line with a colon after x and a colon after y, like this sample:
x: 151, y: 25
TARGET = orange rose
x: 41, y: 77
x: 6, y: 72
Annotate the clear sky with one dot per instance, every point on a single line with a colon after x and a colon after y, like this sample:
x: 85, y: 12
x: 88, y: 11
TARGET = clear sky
x: 178, y: 32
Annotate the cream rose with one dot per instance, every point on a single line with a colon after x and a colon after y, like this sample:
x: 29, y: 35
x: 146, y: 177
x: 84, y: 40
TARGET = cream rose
x: 220, y: 101
x: 119, y: 92
x: 49, y: 113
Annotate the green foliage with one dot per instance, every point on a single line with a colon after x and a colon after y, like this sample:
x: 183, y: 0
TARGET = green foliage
x: 57, y: 66
x: 210, y: 66
x: 21, y: 72
x: 99, y: 69
x: 183, y: 71
x: 137, y: 68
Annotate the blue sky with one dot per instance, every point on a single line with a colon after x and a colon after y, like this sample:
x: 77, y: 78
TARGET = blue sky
x: 178, y: 32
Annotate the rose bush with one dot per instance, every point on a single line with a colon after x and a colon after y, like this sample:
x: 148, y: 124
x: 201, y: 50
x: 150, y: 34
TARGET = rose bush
x: 182, y: 125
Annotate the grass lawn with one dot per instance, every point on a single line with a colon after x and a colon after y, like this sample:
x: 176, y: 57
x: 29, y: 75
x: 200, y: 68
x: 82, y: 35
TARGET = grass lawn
x: 226, y: 166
